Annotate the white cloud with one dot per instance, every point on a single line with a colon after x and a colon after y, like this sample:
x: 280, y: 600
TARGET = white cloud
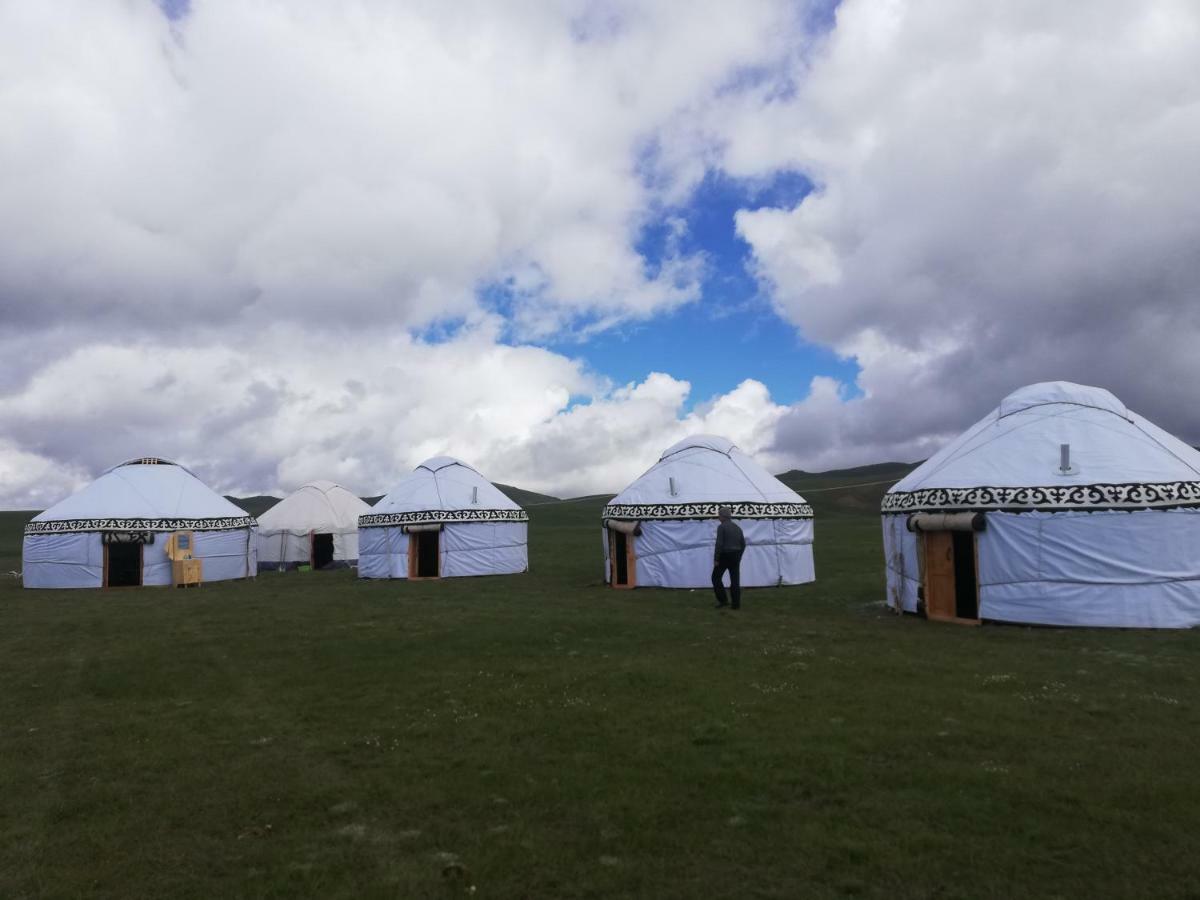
x: 1005, y: 194
x: 261, y: 161
x: 221, y: 235
x: 264, y: 417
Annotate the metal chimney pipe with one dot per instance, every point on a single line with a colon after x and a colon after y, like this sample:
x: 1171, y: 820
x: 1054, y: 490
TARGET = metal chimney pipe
x: 1064, y: 458
x: 671, y: 482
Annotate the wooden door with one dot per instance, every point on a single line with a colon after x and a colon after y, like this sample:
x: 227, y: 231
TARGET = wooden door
x: 622, y: 567
x: 951, y: 585
x: 939, y: 575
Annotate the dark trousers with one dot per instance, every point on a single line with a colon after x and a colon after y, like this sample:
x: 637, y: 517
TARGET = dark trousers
x: 731, y: 562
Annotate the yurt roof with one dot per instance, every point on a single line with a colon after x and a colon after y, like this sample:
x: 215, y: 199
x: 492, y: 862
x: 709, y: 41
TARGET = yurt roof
x: 1011, y: 459
x: 321, y: 506
x: 146, y: 494
x: 443, y: 489
x: 699, y: 473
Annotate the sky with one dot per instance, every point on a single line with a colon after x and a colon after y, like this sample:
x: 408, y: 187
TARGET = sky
x: 282, y: 241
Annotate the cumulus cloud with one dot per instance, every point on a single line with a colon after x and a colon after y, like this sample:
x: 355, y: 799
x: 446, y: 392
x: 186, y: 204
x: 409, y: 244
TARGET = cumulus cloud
x: 258, y: 161
x: 1004, y: 195
x: 270, y: 420
x: 226, y: 234
x: 223, y: 231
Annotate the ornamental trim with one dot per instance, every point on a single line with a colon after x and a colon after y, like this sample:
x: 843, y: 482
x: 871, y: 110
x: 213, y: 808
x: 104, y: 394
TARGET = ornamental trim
x: 744, y: 510
x: 1046, y: 498
x: 79, y: 526
x: 441, y: 516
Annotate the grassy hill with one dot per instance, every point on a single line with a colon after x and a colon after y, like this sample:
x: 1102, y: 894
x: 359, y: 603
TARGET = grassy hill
x: 523, y: 497
x: 840, y: 492
x: 256, y: 505
x: 540, y: 735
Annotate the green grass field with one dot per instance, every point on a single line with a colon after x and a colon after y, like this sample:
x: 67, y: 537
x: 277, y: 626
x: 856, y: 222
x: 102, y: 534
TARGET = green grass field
x: 310, y: 735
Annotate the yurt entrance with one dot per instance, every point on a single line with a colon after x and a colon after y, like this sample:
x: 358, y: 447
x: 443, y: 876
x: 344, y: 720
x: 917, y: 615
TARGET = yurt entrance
x: 622, y: 560
x: 122, y: 560
x: 951, y: 579
x: 322, y: 550
x: 424, y: 551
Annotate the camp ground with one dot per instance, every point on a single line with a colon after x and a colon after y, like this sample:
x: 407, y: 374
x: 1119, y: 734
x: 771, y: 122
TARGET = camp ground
x: 541, y: 734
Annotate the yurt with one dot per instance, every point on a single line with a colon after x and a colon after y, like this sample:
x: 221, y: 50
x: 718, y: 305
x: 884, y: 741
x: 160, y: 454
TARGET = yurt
x: 659, y: 531
x: 315, y: 525
x: 441, y: 521
x: 1060, y: 507
x: 140, y: 523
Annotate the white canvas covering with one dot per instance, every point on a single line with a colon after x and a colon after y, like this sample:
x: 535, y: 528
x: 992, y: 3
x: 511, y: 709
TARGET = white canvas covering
x: 1114, y: 540
x: 64, y: 546
x: 675, y: 507
x: 482, y: 531
x: 285, y: 531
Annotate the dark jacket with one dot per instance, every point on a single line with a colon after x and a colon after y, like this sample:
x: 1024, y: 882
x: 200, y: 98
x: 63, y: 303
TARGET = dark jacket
x: 729, y: 539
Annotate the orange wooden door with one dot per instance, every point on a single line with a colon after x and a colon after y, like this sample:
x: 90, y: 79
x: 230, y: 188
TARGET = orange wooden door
x: 939, y: 574
x: 622, y: 561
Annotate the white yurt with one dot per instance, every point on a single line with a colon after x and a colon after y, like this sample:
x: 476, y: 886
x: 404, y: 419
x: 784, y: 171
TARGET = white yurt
x: 119, y: 530
x: 659, y: 531
x: 317, y: 525
x: 442, y: 521
x: 1060, y: 507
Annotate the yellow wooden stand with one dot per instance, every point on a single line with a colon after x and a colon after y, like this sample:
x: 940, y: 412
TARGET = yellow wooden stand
x: 185, y: 570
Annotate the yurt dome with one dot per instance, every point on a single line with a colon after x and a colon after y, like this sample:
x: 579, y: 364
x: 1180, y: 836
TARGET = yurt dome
x: 317, y: 525
x: 1060, y: 507
x: 115, y: 532
x: 443, y: 520
x: 659, y: 531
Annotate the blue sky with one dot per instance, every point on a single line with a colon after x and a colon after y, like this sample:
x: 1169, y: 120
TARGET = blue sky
x: 732, y: 333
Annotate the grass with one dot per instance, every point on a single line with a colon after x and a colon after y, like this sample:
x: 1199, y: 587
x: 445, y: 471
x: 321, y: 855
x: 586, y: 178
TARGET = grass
x: 541, y: 736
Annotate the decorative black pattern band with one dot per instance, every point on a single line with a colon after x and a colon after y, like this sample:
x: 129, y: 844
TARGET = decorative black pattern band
x: 747, y: 510
x: 1051, y: 498
x: 75, y: 526
x: 432, y: 516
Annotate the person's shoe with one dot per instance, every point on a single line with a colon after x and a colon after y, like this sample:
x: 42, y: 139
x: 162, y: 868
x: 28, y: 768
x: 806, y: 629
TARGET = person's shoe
x: 735, y: 608
x: 721, y: 606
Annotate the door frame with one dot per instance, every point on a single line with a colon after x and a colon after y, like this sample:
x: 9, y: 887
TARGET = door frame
x: 141, y: 569
x: 630, y: 561
x: 414, y: 538
x: 931, y: 542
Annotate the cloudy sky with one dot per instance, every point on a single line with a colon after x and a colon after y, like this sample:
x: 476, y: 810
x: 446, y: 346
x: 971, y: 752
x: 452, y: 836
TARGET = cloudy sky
x: 280, y: 240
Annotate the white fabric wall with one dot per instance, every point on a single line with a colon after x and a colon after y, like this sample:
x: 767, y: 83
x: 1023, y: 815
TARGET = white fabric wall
x: 227, y: 554
x: 62, y: 561
x: 296, y: 546
x: 382, y: 553
x: 1119, y: 569
x: 679, y: 553
x: 471, y: 548
x: 484, y: 548
x: 77, y: 560
x: 902, y: 568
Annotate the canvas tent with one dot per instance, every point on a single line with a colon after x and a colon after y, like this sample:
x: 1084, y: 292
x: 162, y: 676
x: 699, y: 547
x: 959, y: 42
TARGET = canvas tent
x: 316, y: 525
x: 441, y: 521
x: 1060, y: 507
x: 115, y: 531
x: 659, y: 531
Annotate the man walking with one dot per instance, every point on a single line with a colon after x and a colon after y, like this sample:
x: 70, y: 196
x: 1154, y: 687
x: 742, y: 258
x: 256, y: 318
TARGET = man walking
x: 727, y: 556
